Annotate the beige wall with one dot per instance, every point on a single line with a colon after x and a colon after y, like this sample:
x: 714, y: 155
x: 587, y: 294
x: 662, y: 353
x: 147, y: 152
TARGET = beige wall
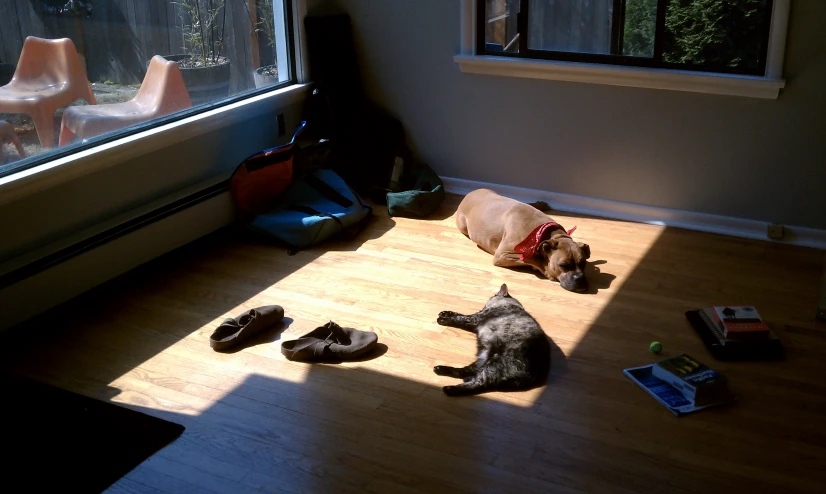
x: 741, y: 157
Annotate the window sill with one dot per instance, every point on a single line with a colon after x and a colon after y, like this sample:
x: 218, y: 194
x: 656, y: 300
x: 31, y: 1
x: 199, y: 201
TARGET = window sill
x: 55, y: 172
x: 676, y: 80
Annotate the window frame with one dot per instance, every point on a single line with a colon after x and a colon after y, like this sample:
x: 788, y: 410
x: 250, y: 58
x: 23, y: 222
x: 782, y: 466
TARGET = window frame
x: 620, y: 70
x: 108, y: 149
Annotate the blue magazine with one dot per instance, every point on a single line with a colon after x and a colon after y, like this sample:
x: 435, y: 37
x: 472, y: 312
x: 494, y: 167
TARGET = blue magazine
x: 663, y: 392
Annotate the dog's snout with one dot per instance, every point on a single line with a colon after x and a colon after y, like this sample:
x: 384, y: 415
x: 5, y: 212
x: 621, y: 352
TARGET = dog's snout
x: 580, y: 282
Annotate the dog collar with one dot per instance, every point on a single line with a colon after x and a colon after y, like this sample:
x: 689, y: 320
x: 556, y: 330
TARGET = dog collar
x: 527, y: 248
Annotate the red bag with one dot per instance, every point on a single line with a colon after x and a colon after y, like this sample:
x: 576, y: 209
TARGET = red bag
x: 260, y: 179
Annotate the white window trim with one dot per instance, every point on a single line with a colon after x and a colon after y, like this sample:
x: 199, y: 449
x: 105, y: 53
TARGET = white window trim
x: 766, y: 87
x: 81, y: 163
x: 55, y: 172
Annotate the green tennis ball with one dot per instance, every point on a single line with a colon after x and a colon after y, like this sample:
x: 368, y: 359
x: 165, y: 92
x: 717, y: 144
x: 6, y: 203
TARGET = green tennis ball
x: 656, y: 347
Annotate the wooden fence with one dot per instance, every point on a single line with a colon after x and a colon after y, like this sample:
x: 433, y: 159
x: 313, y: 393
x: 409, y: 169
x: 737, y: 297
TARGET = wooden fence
x: 121, y: 36
x: 582, y: 26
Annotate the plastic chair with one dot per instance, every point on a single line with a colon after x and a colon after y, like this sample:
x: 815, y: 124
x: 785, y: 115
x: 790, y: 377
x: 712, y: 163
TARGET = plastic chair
x: 49, y: 75
x: 7, y: 133
x: 162, y: 92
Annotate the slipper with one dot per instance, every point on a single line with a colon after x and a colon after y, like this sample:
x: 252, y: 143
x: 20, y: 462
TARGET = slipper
x: 330, y: 342
x: 235, y: 330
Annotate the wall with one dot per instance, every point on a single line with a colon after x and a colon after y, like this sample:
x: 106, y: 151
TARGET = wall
x: 51, y: 216
x: 732, y: 156
x: 42, y: 223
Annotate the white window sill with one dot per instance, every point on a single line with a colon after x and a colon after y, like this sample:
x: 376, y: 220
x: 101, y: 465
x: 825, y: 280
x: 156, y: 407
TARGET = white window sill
x: 613, y: 75
x: 55, y: 172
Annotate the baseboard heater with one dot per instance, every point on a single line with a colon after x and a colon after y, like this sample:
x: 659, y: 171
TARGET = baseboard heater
x: 62, y: 275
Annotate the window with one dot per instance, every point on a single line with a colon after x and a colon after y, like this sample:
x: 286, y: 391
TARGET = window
x: 77, y: 73
x: 716, y: 46
x: 727, y: 36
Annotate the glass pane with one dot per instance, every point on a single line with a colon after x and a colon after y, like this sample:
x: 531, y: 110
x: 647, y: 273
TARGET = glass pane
x: 578, y: 26
x: 71, y: 71
x: 501, y: 26
x: 717, y: 34
x: 640, y: 26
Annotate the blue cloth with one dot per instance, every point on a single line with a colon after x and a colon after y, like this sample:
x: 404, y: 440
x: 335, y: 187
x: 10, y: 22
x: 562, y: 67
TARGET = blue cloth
x: 313, y: 209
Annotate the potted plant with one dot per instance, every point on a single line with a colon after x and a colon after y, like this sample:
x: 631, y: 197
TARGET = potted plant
x: 268, y: 74
x: 204, y: 67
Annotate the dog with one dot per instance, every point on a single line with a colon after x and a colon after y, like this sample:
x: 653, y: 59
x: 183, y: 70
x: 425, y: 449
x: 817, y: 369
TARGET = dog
x: 519, y: 234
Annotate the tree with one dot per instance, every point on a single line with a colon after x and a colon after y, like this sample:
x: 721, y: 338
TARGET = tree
x: 716, y: 33
x: 640, y: 24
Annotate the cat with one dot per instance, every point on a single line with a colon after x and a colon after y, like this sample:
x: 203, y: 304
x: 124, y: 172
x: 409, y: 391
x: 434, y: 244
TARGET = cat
x: 513, y: 352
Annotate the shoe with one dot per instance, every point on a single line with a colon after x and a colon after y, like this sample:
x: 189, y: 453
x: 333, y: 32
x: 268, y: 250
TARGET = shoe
x: 236, y: 330
x: 330, y: 342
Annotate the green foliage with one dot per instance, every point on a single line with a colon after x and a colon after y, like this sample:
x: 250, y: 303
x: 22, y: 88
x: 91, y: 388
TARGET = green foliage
x: 640, y: 24
x: 716, y: 33
x: 202, y: 34
x: 267, y: 23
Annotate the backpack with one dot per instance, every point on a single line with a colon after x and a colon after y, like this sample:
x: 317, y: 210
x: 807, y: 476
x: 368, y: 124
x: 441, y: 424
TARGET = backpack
x: 261, y: 178
x: 417, y: 194
x: 317, y: 206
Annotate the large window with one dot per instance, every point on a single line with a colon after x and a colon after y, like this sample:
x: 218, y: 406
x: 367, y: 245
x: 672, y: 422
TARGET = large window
x: 719, y: 36
x: 74, y: 73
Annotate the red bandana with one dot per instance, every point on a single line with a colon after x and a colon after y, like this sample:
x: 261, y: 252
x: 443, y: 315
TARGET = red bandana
x: 527, y: 248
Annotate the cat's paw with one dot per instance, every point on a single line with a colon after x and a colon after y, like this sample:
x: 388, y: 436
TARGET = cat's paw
x: 446, y: 317
x: 451, y: 390
x: 441, y: 370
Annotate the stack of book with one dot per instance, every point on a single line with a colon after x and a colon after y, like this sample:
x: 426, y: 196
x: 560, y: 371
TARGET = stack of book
x: 737, y: 323
x: 736, y: 332
x: 682, y: 384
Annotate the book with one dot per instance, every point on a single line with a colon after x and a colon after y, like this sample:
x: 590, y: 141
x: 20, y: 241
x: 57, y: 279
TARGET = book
x: 740, y: 322
x: 702, y: 320
x: 708, y: 317
x: 667, y: 395
x: 698, y: 382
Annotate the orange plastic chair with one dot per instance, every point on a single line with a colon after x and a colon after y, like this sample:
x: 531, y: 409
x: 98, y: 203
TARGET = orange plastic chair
x: 162, y: 92
x: 7, y: 133
x: 49, y: 75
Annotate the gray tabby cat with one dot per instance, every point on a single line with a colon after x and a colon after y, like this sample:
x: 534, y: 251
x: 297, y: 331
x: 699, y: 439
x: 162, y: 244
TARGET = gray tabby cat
x: 513, y: 352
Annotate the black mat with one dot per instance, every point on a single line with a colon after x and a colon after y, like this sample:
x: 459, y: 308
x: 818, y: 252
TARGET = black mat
x: 58, y: 441
x: 768, y: 349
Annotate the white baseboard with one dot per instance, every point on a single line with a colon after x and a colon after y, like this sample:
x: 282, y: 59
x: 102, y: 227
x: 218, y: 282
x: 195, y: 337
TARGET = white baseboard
x: 724, y: 225
x: 64, y: 281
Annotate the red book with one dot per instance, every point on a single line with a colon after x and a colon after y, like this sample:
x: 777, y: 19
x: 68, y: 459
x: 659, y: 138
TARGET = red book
x: 739, y: 322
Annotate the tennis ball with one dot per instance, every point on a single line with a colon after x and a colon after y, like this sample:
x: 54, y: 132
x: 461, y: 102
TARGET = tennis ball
x: 656, y: 347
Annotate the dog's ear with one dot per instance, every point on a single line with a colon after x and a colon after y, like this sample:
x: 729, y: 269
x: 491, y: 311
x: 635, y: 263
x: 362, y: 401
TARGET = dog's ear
x: 546, y: 247
x: 503, y: 291
x: 585, y: 248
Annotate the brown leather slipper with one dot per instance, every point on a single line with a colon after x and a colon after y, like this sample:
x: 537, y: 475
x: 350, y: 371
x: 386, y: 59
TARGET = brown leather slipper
x: 330, y: 342
x: 235, y: 330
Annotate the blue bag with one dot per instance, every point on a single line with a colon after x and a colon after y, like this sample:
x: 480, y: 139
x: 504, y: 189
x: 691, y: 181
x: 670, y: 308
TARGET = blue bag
x: 314, y: 208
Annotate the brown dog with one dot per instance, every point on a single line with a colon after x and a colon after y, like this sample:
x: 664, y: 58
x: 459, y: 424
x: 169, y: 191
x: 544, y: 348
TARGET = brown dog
x: 514, y: 233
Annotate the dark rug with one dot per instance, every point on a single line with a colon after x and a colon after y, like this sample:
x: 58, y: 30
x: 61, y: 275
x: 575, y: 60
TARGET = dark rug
x: 58, y: 441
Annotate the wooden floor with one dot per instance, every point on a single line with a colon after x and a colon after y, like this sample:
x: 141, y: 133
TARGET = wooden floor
x: 257, y: 422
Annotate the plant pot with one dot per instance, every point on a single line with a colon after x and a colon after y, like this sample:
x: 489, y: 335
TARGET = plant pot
x: 265, y: 76
x: 204, y: 84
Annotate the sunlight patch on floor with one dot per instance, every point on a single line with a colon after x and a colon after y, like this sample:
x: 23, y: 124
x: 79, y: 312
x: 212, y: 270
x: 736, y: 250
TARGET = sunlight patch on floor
x: 566, y: 317
x: 576, y: 314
